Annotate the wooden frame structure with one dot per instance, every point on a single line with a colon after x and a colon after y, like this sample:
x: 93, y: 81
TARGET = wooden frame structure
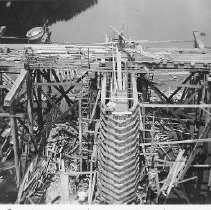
x: 62, y: 83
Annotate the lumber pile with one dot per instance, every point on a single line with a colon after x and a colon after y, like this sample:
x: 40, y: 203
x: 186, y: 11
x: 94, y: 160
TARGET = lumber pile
x: 34, y: 182
x: 174, y: 171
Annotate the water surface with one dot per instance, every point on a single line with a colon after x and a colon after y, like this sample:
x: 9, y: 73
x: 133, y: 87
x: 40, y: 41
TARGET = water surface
x: 142, y: 19
x: 88, y: 20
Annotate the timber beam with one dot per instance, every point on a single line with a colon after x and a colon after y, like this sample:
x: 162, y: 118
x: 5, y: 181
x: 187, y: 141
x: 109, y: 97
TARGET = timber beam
x: 10, y: 97
x: 175, y: 105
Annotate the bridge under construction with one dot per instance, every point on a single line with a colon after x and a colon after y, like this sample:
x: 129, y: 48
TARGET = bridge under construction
x: 120, y: 122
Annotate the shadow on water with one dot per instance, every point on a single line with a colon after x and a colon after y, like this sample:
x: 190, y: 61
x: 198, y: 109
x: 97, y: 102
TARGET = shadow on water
x: 21, y: 16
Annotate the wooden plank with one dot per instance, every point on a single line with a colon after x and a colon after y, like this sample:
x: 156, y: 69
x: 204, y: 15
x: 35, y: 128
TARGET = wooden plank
x: 119, y: 70
x: 64, y: 184
x: 209, y: 180
x: 30, y: 200
x: 178, y: 142
x: 208, y: 120
x: 13, y: 46
x: 4, y: 86
x: 6, y: 168
x: 29, y: 92
x: 207, y: 112
x: 77, y: 173
x: 18, y: 115
x: 181, y: 71
x: 58, y: 83
x: 120, y: 98
x: 2, y: 30
x: 165, y: 118
x: 93, y: 185
x: 95, y: 146
x: 201, y: 166
x: 168, y: 184
x: 175, y: 105
x: 90, y: 184
x: 94, y: 108
x: 80, y: 130
x: 157, y: 181
x: 39, y: 102
x: 188, y: 86
x: 10, y: 97
x: 16, y: 149
x: 150, y: 130
x: 194, y: 151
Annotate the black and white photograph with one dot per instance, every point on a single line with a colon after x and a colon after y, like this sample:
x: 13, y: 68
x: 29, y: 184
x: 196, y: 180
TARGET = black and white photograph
x: 105, y: 103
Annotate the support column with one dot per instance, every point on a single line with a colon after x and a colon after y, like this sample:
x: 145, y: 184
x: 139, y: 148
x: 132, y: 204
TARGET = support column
x: 64, y: 178
x: 16, y: 148
x: 119, y: 70
x: 39, y: 104
x: 1, y: 89
x: 29, y: 93
x: 209, y: 144
x: 80, y: 130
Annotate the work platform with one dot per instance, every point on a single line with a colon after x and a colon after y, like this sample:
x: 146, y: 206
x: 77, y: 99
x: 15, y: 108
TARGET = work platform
x: 57, y: 88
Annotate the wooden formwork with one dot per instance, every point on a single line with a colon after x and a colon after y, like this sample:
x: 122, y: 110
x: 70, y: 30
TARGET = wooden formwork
x: 62, y: 84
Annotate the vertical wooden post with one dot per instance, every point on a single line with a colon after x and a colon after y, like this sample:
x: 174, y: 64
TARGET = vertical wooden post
x: 94, y: 108
x: 93, y: 185
x: 50, y: 78
x: 114, y: 71
x: 16, y: 148
x: 64, y: 184
x: 208, y: 94
x: 39, y: 98
x: 29, y: 93
x: 157, y: 181
x: 1, y: 89
x: 119, y: 70
x: 80, y: 130
x: 152, y: 135
x: 90, y: 183
x: 88, y: 60
x: 209, y: 144
x: 126, y: 76
x: 143, y: 123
